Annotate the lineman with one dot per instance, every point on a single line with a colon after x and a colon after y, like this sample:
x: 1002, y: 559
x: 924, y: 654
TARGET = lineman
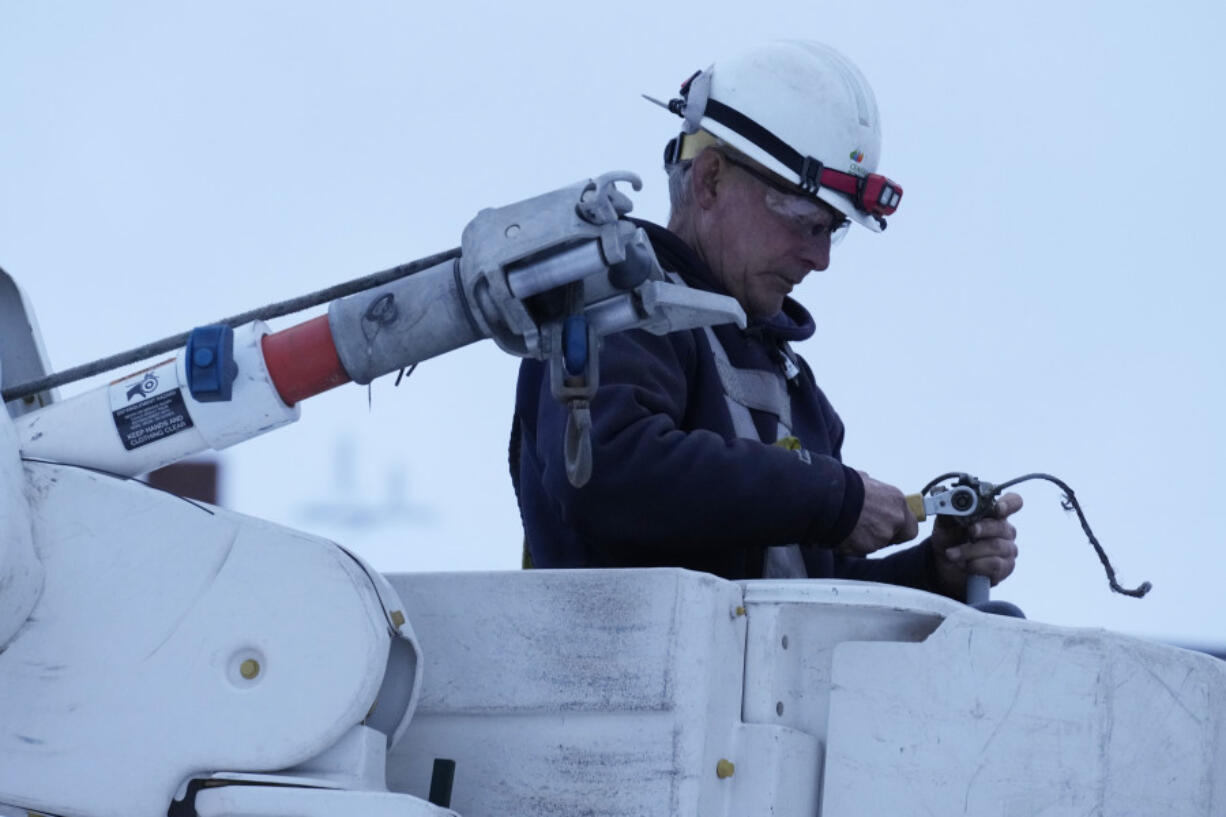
x: 714, y: 449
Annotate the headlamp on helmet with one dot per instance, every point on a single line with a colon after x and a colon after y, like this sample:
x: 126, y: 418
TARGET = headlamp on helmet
x: 795, y: 107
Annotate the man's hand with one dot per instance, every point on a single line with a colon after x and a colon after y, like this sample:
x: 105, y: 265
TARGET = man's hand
x: 986, y: 548
x: 884, y: 520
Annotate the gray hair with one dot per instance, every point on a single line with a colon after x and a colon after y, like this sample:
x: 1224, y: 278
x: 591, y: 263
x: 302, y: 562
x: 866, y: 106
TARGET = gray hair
x: 680, y: 193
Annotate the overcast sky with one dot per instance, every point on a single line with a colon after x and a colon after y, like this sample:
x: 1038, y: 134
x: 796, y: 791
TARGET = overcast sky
x: 1048, y: 298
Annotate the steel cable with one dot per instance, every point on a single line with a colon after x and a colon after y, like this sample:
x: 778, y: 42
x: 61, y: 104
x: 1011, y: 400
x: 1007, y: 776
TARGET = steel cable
x: 274, y: 310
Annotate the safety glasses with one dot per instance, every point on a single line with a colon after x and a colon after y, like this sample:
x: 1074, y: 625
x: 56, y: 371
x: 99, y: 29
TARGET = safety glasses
x: 805, y: 214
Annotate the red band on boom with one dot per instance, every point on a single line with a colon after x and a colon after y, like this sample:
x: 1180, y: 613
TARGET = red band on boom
x: 302, y: 360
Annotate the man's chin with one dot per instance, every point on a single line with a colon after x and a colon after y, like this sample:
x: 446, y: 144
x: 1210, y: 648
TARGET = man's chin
x: 765, y: 308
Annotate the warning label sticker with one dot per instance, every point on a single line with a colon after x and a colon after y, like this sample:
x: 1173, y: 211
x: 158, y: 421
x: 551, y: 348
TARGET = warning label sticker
x: 148, y: 406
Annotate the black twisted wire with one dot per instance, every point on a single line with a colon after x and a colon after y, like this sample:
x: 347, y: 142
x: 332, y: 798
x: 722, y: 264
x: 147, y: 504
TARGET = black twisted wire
x: 1069, y: 503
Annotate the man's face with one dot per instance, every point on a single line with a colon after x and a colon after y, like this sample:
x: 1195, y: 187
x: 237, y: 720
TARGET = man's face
x: 762, y: 242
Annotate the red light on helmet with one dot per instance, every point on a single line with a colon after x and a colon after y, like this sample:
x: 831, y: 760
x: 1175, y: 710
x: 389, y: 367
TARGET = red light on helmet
x: 878, y: 195
x: 873, y: 194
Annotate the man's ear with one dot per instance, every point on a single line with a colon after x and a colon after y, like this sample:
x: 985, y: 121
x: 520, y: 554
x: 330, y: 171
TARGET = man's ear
x: 707, y: 177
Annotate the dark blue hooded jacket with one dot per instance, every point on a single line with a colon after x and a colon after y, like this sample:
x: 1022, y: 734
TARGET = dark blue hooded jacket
x: 672, y: 484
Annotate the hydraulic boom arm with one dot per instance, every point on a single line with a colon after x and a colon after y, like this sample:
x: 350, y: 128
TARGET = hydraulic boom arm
x: 546, y: 278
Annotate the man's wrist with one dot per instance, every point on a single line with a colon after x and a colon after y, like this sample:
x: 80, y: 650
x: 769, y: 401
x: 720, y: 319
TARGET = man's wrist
x: 849, y: 509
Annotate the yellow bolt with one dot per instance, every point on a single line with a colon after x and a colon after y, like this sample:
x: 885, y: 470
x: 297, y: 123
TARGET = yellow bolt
x: 724, y: 769
x: 740, y: 611
x: 249, y: 668
x: 397, y: 619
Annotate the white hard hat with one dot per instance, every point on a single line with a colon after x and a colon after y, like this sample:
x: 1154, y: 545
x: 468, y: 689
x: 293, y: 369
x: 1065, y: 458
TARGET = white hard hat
x: 805, y: 112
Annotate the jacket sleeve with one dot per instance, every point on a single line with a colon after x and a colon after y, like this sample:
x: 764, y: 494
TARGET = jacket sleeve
x: 656, y: 484
x: 911, y: 567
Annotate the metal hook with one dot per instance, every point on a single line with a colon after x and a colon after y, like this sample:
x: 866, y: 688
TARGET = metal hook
x: 578, y: 445
x: 607, y: 204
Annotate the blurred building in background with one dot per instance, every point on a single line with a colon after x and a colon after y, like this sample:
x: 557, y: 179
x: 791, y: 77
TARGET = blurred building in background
x: 198, y: 480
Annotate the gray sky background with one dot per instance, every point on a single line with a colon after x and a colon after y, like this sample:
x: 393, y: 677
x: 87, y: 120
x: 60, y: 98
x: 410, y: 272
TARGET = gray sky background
x: 1048, y: 298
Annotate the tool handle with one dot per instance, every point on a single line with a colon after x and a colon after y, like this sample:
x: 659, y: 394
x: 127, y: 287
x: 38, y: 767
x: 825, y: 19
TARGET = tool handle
x: 978, y: 589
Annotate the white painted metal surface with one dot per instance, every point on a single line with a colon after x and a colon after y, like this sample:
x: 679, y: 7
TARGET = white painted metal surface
x: 1012, y: 717
x: 794, y: 627
x: 618, y: 693
x: 928, y: 707
x: 173, y: 640
x: 82, y: 429
x: 563, y: 692
x: 23, y: 357
x: 21, y: 573
x: 268, y: 801
x: 357, y: 761
x: 650, y: 692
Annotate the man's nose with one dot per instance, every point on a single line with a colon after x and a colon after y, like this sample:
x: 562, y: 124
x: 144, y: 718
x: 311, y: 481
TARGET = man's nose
x: 817, y: 251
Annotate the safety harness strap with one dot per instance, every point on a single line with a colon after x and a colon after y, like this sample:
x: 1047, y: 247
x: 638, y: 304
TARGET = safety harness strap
x: 752, y: 388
